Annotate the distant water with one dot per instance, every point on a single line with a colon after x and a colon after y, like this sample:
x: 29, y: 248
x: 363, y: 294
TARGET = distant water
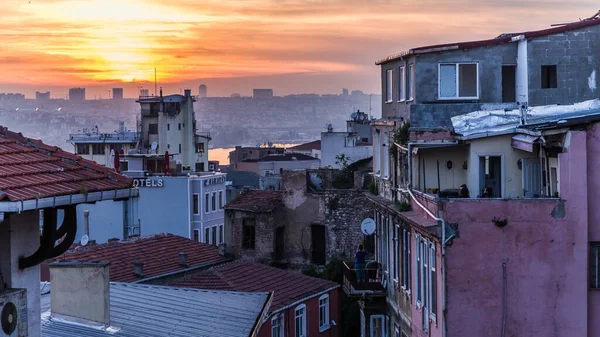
x: 222, y: 154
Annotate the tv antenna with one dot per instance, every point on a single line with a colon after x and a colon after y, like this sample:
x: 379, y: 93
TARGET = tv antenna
x: 367, y: 227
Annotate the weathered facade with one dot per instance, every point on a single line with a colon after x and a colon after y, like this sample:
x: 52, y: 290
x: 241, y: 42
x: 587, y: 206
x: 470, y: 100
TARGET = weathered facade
x: 296, y: 227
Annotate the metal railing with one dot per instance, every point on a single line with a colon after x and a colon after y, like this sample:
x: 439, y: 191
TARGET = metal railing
x: 371, y: 284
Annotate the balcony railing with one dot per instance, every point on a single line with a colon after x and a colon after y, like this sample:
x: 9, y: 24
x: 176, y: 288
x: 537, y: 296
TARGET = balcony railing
x: 371, y: 286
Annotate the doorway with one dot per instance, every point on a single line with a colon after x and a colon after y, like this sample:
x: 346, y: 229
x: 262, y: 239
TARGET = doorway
x: 279, y: 243
x: 490, y: 176
x: 509, y: 83
x: 318, y: 244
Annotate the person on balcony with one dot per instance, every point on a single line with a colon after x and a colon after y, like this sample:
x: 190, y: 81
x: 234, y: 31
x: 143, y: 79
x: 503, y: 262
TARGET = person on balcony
x: 359, y: 263
x: 463, y: 192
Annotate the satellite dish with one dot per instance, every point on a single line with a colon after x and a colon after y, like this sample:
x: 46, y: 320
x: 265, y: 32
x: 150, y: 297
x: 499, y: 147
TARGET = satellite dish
x: 154, y: 146
x: 367, y: 226
x: 354, y: 115
x: 84, y: 240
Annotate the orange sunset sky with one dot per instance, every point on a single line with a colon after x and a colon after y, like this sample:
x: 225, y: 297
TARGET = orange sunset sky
x: 292, y: 46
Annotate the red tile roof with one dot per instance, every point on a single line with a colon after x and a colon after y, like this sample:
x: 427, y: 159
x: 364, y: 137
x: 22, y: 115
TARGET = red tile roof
x: 257, y: 201
x: 314, y: 145
x: 30, y: 169
x: 504, y: 38
x: 159, y: 253
x: 288, y: 286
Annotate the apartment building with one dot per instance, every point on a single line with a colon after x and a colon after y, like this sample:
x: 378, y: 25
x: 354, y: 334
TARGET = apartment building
x: 353, y: 144
x: 91, y: 144
x: 484, y: 220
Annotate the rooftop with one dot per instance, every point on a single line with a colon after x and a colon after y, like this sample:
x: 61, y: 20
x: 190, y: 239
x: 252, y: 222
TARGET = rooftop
x: 159, y: 253
x: 286, y: 157
x: 488, y: 123
x: 30, y: 169
x: 501, y: 39
x: 314, y: 145
x: 158, y: 311
x: 257, y: 201
x: 287, y: 286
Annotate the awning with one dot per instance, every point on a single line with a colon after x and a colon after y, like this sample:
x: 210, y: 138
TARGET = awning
x: 524, y: 142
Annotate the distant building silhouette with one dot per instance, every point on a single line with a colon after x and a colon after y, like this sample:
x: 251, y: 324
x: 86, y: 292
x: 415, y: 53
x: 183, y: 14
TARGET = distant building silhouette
x: 42, y: 96
x: 344, y: 92
x: 144, y: 93
x: 202, y: 91
x: 262, y: 93
x: 117, y: 93
x: 236, y: 95
x: 77, y: 94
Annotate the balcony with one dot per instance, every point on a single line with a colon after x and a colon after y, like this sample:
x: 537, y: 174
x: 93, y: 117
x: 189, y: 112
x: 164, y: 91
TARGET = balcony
x: 372, y: 286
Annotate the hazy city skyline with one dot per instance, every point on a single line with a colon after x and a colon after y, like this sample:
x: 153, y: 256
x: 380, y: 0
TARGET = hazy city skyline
x: 291, y: 46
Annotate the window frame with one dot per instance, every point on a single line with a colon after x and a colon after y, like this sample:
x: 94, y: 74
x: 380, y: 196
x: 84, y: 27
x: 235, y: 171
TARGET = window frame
x: 206, y: 235
x: 279, y: 318
x: 196, y: 203
x: 206, y: 202
x: 152, y: 131
x: 456, y: 67
x: 302, y: 308
x: 551, y: 84
x: 594, y: 247
x: 214, y: 235
x: 411, y: 83
x: 432, y: 287
x: 79, y: 147
x: 196, y: 235
x: 98, y: 149
x: 221, y: 201
x: 389, y: 85
x: 213, y: 201
x: 402, y: 84
x: 221, y: 233
x: 324, y: 324
x: 372, y: 330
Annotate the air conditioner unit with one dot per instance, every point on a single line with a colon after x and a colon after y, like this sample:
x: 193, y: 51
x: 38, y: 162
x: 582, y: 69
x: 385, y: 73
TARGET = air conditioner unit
x: 13, y: 313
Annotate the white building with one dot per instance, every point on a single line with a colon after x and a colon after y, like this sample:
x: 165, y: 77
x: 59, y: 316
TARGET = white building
x: 354, y: 144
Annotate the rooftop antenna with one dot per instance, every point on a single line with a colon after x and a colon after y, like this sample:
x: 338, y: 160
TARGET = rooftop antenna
x: 154, y: 81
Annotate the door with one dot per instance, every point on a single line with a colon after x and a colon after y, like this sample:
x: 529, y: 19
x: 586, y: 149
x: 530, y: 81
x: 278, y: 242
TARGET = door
x: 509, y: 83
x: 531, y: 177
x: 490, y: 176
x: 318, y: 244
x: 279, y: 243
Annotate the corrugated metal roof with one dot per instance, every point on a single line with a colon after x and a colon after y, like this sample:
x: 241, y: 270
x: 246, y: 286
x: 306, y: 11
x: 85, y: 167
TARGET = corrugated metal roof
x: 138, y: 310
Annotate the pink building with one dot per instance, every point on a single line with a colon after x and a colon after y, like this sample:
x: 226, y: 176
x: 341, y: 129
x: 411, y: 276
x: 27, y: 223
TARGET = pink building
x: 485, y: 223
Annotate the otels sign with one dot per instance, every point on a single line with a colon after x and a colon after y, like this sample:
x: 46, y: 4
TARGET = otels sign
x: 146, y: 182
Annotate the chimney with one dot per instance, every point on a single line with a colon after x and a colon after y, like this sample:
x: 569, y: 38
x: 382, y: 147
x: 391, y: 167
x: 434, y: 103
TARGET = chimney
x: 138, y: 269
x: 86, y: 222
x: 222, y: 249
x: 81, y: 290
x: 183, y: 259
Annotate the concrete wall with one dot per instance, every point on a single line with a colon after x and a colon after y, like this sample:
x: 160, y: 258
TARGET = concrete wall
x: 593, y: 186
x: 293, y: 165
x: 334, y: 143
x: 20, y: 236
x: 81, y: 290
x: 396, y: 108
x: 576, y: 55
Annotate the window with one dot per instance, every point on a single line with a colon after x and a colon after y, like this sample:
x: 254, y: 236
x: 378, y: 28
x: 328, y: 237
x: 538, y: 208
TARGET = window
x: 206, y: 234
x: 200, y: 148
x: 396, y: 330
x: 277, y: 326
x: 153, y: 129
x: 221, y: 200
x: 168, y: 127
x: 433, y: 283
x: 300, y: 321
x: 378, y: 328
x: 214, y: 201
x: 214, y: 236
x: 196, y: 235
x: 179, y: 126
x: 410, y: 83
x: 82, y: 149
x: 221, y: 233
x: 418, y: 268
x: 395, y: 254
x: 179, y: 148
x: 97, y: 148
x: 389, y: 76
x: 206, y: 202
x: 402, y: 84
x: 549, y: 79
x: 123, y: 166
x: 248, y: 234
x: 406, y: 261
x: 196, y: 203
x: 323, y: 313
x: 384, y: 245
x: 595, y: 265
x: 458, y: 80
